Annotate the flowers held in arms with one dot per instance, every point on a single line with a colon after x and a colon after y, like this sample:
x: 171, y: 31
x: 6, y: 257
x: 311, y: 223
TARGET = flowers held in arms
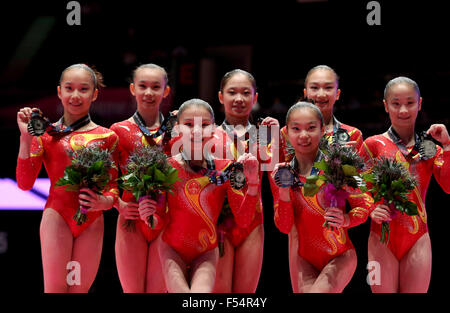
x: 392, y: 183
x: 149, y: 175
x: 342, y: 168
x: 89, y: 168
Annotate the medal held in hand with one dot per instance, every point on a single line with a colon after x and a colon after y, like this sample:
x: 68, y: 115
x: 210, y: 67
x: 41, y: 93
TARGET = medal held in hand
x: 38, y: 123
x: 341, y: 136
x: 237, y: 176
x: 427, y: 147
x: 287, y: 176
x: 284, y: 177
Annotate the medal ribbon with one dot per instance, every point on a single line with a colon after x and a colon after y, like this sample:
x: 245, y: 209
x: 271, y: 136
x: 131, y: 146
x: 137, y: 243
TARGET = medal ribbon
x: 294, y: 165
x: 246, y: 137
x: 409, y: 155
x: 56, y: 129
x: 164, y: 128
x: 215, y: 176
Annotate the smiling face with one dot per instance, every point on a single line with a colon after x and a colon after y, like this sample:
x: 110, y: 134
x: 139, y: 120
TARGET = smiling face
x: 149, y: 88
x: 304, y: 131
x: 403, y: 104
x: 196, y: 126
x: 322, y: 87
x: 238, y: 96
x: 77, y: 91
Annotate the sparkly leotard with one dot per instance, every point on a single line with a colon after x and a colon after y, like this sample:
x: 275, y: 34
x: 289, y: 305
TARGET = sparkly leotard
x: 317, y: 244
x: 405, y: 230
x: 53, y: 151
x: 195, y: 207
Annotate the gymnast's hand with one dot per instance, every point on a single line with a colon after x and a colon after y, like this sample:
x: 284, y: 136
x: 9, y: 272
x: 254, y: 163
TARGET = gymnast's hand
x: 270, y: 121
x: 23, y: 118
x: 94, y: 201
x: 380, y: 214
x: 335, y: 217
x: 147, y: 207
x: 129, y: 210
x: 284, y: 191
x: 250, y: 168
x: 440, y: 133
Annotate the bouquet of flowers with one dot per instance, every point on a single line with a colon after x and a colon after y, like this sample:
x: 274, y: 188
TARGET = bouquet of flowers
x: 392, y: 183
x: 89, y: 168
x: 149, y: 174
x: 341, y: 168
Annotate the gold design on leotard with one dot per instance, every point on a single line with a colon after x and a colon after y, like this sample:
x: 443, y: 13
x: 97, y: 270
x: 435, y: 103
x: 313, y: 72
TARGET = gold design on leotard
x: 352, y: 132
x: 438, y: 161
x: 359, y: 212
x: 400, y: 158
x: 79, y: 141
x: 258, y: 206
x: 39, y: 149
x: 365, y: 196
x: 416, y: 225
x: 313, y: 203
x: 368, y: 150
x: 420, y: 206
x: 334, y: 236
x: 193, y: 195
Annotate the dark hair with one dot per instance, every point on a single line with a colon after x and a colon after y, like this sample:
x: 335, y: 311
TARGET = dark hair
x: 230, y: 74
x: 303, y: 105
x: 401, y: 80
x: 97, y: 77
x: 194, y: 102
x: 322, y: 67
x: 152, y: 66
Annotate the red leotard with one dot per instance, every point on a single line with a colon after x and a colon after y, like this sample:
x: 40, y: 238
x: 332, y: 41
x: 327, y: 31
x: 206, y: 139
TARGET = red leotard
x: 317, y: 244
x: 195, y: 207
x: 53, y: 151
x: 405, y: 230
x: 131, y: 138
x: 355, y: 135
x: 225, y: 144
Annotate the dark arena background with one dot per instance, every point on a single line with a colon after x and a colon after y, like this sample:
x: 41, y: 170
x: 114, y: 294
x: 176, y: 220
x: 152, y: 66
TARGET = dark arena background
x: 197, y: 42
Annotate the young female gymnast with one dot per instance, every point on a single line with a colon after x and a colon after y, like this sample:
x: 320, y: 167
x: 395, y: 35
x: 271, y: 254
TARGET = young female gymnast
x: 326, y: 259
x: 405, y: 261
x: 62, y: 240
x: 189, y: 247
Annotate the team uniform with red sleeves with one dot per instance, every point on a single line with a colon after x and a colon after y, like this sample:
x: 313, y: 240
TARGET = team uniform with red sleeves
x: 405, y: 230
x: 316, y: 243
x: 53, y: 152
x: 194, y: 208
x: 132, y: 138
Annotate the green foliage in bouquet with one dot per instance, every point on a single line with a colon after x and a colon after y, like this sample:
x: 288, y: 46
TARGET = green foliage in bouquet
x: 148, y: 173
x: 341, y: 167
x: 392, y: 183
x: 89, y: 168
